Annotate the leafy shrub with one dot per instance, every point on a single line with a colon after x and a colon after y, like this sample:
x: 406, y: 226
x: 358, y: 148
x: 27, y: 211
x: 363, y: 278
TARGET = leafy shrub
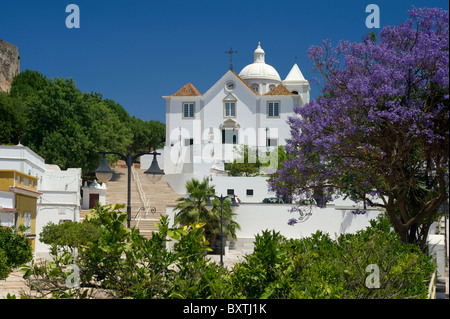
x: 125, y: 264
x: 15, y: 250
x: 319, y: 267
x: 122, y: 262
x: 70, y: 234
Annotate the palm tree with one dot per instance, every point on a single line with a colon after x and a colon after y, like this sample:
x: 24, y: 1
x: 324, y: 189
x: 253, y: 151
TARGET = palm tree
x: 191, y: 209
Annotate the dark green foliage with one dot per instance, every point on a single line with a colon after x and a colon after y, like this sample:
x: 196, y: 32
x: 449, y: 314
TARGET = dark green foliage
x: 70, y: 234
x: 68, y: 127
x: 12, y: 119
x: 247, y: 162
x: 191, y: 209
x: 123, y: 263
x: 147, y: 135
x: 127, y: 265
x: 318, y: 267
x: 15, y: 250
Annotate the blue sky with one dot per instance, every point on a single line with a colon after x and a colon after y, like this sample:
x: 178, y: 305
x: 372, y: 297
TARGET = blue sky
x: 134, y: 52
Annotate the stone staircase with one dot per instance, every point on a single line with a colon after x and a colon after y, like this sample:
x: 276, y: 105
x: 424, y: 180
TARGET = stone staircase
x: 148, y: 200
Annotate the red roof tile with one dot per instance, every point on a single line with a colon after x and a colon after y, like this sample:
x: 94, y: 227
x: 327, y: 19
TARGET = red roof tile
x: 187, y: 90
x: 280, y: 89
x: 245, y: 82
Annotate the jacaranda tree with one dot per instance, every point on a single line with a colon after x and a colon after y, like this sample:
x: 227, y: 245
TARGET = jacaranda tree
x: 379, y: 133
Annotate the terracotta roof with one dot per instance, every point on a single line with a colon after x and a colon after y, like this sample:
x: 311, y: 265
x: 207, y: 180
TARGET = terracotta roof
x: 187, y: 90
x: 245, y: 82
x: 280, y: 89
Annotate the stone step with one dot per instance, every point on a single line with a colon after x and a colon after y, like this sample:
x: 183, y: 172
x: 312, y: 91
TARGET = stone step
x: 158, y: 195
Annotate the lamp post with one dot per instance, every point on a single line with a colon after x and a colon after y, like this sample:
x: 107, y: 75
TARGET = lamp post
x: 209, y: 206
x: 104, y: 172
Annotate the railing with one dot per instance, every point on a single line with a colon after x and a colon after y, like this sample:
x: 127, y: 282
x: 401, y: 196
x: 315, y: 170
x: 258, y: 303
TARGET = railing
x: 432, y: 284
x: 144, y: 200
x: 137, y: 217
x: 432, y: 287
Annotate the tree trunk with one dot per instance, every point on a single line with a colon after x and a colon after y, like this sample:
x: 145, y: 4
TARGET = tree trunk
x: 212, y: 242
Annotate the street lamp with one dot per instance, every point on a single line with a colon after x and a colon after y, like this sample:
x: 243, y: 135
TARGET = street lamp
x: 209, y: 206
x: 104, y: 173
x: 154, y: 173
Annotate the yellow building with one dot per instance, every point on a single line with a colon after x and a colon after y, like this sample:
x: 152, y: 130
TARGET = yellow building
x: 18, y: 199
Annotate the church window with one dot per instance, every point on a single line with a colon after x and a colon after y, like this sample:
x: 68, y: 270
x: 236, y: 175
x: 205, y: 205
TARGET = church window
x: 188, y: 110
x: 273, y: 109
x: 230, y: 109
x: 255, y: 87
x: 271, y: 87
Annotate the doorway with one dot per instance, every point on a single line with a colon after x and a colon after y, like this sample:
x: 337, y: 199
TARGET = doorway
x: 229, y: 136
x: 93, y: 199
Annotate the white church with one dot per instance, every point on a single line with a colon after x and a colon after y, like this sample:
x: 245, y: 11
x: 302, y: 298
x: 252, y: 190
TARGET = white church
x: 251, y: 108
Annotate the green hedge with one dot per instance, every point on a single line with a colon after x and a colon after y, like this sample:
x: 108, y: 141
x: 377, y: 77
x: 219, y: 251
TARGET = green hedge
x: 15, y: 250
x: 346, y: 267
x: 127, y: 265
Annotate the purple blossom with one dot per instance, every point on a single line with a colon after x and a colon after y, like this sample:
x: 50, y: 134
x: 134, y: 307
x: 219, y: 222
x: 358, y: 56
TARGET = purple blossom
x: 382, y: 117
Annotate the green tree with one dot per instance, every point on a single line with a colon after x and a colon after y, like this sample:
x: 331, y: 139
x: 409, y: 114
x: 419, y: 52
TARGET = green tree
x: 12, y: 119
x: 191, y: 209
x: 147, y: 135
x: 125, y: 264
x: 65, y: 126
x: 28, y: 83
x: 72, y: 235
x: 118, y: 109
x: 246, y: 162
x: 15, y: 250
x: 68, y: 127
x: 318, y: 267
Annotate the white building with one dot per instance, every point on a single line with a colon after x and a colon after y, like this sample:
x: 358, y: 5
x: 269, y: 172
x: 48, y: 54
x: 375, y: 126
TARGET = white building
x: 33, y: 193
x: 93, y: 193
x: 60, y: 201
x: 251, y: 108
x: 21, y: 158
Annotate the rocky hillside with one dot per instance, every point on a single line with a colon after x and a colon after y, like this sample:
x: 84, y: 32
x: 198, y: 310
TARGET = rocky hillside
x: 9, y: 64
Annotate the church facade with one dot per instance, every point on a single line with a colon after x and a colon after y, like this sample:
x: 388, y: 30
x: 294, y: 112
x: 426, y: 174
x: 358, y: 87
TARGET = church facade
x: 250, y: 108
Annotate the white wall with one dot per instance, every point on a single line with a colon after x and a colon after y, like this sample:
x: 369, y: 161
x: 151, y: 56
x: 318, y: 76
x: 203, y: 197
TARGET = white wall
x: 221, y: 184
x: 22, y: 159
x: 254, y: 218
x: 52, y: 213
x: 436, y: 244
x: 240, y: 185
x: 93, y: 188
x: 60, y: 200
x: 251, y: 120
x: 177, y: 181
x: 7, y: 199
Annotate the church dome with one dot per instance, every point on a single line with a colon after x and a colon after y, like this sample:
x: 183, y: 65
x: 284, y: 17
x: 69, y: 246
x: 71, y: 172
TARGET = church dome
x: 259, y: 70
